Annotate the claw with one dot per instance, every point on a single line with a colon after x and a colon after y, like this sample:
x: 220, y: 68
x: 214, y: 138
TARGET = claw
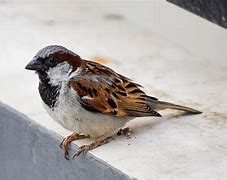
x: 66, y: 155
x: 66, y: 142
x: 86, y: 148
x: 79, y: 151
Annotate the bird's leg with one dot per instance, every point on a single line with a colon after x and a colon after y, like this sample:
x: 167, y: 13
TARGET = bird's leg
x: 66, y: 142
x: 99, y: 142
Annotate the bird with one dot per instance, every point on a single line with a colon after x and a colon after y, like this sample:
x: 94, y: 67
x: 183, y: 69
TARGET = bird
x: 90, y: 99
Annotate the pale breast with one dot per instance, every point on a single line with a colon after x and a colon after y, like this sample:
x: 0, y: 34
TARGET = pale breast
x: 71, y: 115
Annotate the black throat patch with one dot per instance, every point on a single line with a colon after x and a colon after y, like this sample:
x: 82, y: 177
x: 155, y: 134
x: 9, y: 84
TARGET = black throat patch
x: 48, y: 92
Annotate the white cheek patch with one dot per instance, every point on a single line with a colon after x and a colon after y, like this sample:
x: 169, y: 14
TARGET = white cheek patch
x: 61, y: 73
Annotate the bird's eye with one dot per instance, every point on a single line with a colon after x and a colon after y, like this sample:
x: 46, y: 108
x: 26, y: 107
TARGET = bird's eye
x: 51, y: 61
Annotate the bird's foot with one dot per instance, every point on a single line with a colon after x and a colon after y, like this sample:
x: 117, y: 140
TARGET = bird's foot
x: 85, y: 148
x: 66, y: 142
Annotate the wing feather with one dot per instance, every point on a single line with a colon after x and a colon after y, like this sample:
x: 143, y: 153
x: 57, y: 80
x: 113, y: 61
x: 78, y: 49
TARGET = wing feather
x: 102, y: 90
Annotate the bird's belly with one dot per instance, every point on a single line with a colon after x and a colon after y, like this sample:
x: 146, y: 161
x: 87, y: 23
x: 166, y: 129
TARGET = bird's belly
x: 71, y: 115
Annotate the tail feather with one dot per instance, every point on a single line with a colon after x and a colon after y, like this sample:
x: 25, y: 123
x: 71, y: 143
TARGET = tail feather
x: 167, y: 105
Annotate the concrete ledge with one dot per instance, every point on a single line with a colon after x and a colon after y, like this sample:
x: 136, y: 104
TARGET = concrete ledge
x: 29, y: 151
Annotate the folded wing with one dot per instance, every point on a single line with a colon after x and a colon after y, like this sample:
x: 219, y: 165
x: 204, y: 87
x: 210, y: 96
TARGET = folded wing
x: 102, y: 90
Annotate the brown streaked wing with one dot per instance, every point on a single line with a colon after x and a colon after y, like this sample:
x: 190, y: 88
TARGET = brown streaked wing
x: 103, y: 90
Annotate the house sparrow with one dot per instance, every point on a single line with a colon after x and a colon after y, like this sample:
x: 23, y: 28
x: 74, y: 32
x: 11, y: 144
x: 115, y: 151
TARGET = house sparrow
x: 88, y: 98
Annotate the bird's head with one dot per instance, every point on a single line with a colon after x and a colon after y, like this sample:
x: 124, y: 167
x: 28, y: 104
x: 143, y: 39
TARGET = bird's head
x: 54, y: 63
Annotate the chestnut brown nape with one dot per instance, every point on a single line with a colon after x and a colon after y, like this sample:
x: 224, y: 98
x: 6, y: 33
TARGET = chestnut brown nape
x: 73, y: 59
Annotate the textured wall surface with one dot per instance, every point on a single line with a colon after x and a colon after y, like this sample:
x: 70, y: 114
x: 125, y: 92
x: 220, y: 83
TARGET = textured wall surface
x: 29, y: 151
x: 212, y: 10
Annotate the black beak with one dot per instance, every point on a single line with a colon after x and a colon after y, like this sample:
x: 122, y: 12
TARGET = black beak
x: 35, y: 65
